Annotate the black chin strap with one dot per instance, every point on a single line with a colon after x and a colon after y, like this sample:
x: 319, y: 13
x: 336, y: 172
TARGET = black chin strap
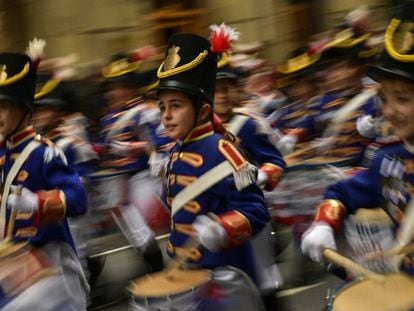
x: 17, y: 126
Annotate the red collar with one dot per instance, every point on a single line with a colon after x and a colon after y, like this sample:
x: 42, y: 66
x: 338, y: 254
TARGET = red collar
x: 200, y: 132
x: 20, y: 137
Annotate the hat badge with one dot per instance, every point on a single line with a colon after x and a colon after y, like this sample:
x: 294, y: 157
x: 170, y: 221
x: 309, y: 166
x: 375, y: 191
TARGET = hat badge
x: 172, y: 59
x: 3, y: 73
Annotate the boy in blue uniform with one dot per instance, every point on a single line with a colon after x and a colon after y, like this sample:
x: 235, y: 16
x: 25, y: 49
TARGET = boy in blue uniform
x: 39, y: 192
x: 132, y: 134
x: 298, y: 83
x: 389, y: 180
x: 254, y: 139
x: 55, y: 117
x: 209, y: 185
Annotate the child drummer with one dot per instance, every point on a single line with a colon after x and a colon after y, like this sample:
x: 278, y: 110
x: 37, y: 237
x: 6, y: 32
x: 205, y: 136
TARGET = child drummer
x: 389, y: 181
x: 39, y: 192
x: 228, y: 208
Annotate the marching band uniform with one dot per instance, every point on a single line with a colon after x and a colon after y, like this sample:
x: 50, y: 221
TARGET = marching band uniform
x: 295, y: 80
x: 132, y: 132
x: 254, y: 139
x: 229, y: 209
x: 388, y: 182
x: 67, y: 131
x: 50, y: 193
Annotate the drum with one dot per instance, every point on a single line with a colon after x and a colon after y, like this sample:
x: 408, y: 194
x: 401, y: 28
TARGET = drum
x: 369, y: 231
x: 394, y: 293
x: 300, y: 190
x: 108, y: 188
x: 172, y: 289
x: 111, y: 189
x: 21, y: 267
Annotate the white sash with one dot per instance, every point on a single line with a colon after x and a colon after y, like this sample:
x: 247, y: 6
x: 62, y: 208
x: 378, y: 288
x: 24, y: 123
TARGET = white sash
x: 9, y: 179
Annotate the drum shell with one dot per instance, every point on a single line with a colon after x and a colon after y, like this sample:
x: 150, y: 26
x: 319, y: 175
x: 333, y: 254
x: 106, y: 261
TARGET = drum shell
x: 22, y: 268
x: 394, y: 293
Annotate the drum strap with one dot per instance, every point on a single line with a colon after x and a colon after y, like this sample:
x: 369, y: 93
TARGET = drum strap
x: 204, y: 182
x: 236, y: 124
x: 9, y: 179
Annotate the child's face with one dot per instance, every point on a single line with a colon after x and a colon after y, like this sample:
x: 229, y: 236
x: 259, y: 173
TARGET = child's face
x: 45, y: 118
x: 10, y: 116
x: 177, y: 113
x: 224, y: 97
x: 342, y: 75
x: 398, y: 106
x: 117, y: 94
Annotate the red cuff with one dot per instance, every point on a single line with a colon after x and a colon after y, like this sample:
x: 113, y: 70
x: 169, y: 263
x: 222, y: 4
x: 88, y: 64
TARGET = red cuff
x: 331, y: 212
x: 300, y: 133
x: 237, y: 227
x: 52, y: 206
x: 273, y: 173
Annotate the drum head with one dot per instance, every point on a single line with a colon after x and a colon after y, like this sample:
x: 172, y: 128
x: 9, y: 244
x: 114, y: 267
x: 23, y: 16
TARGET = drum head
x: 168, y: 282
x: 394, y: 293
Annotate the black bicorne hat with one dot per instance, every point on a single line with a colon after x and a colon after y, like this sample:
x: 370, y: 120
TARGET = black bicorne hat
x: 126, y: 69
x: 224, y: 68
x: 52, y: 91
x: 189, y: 66
x: 397, y: 59
x: 17, y: 79
x: 346, y: 43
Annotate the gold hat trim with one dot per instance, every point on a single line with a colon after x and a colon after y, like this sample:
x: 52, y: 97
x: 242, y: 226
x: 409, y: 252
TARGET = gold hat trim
x: 48, y: 87
x: 107, y: 70
x: 368, y: 53
x: 298, y: 63
x: 350, y: 42
x: 195, y: 62
x: 340, y: 37
x: 389, y: 45
x: 224, y: 60
x: 17, y: 76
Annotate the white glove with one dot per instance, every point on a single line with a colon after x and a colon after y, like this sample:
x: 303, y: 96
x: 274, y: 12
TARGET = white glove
x: 120, y: 148
x: 262, y: 178
x: 286, y: 144
x: 318, y: 237
x: 210, y: 233
x: 25, y: 202
x: 366, y: 126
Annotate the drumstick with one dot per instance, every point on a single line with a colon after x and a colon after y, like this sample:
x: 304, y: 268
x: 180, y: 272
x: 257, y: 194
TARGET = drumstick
x: 13, y: 215
x: 398, y: 250
x: 179, y: 262
x: 348, y: 264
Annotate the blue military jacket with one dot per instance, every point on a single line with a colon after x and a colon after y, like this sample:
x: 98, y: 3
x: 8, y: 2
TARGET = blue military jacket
x: 242, y: 213
x: 59, y: 189
x: 143, y: 125
x: 255, y: 140
x: 387, y: 183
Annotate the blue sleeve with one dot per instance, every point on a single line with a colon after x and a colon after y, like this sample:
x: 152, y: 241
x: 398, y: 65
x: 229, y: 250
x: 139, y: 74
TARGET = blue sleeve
x: 363, y: 190
x: 60, y: 176
x: 258, y: 145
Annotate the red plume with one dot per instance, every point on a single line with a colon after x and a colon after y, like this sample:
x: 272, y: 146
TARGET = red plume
x: 222, y: 37
x: 143, y: 53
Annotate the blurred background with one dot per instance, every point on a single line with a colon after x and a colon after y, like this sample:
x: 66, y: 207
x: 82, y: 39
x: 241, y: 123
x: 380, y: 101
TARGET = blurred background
x: 95, y: 29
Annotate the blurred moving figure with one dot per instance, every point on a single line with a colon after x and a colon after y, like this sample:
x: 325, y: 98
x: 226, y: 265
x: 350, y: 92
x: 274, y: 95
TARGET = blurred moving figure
x: 132, y: 136
x: 40, y: 268
x: 389, y: 180
x: 55, y: 116
x: 253, y: 137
